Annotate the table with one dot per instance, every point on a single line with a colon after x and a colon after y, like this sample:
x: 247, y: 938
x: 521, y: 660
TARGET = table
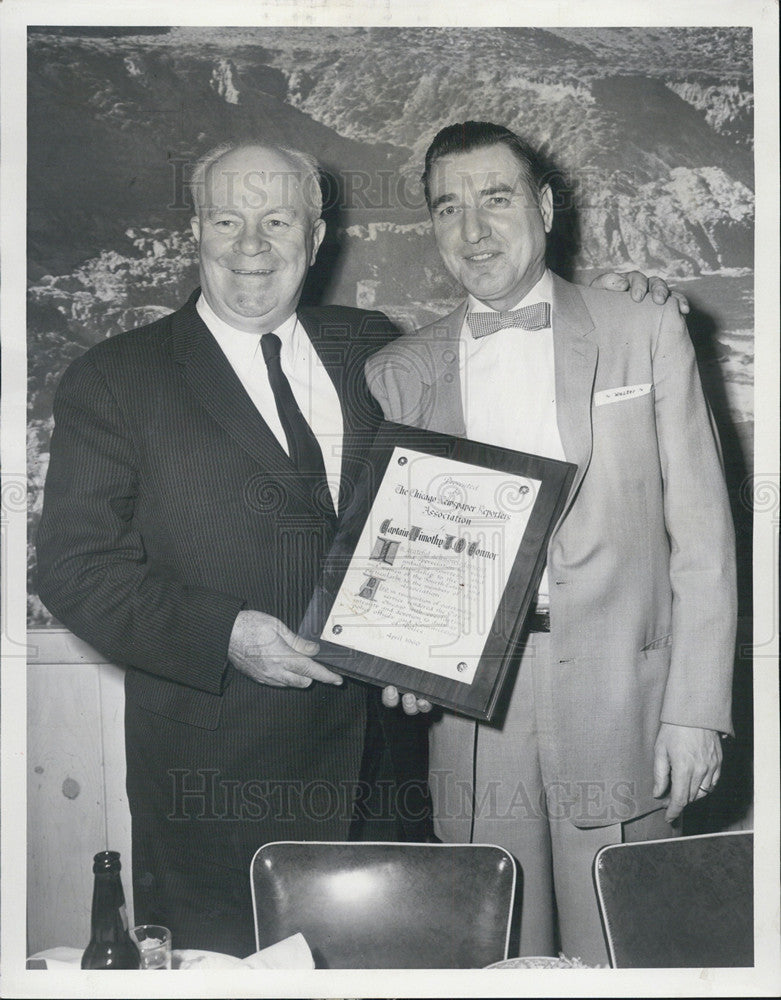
x: 292, y: 953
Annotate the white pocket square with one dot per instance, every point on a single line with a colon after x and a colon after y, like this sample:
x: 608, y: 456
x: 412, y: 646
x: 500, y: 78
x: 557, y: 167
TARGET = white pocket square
x: 621, y: 393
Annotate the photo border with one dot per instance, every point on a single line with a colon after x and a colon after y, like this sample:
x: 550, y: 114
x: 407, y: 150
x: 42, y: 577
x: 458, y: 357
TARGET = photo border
x: 763, y: 17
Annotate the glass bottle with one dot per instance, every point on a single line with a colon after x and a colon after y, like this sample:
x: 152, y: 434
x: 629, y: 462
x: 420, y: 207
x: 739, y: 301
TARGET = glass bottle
x: 110, y: 946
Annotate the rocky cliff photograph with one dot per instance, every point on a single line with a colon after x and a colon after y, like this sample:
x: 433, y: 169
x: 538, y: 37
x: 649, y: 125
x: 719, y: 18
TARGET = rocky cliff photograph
x: 650, y: 130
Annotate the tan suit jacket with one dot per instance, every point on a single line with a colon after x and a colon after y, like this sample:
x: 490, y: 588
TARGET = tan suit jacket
x: 641, y: 564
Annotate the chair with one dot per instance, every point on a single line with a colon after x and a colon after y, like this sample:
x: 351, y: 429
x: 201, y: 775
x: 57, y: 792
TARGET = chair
x: 386, y: 905
x: 687, y: 901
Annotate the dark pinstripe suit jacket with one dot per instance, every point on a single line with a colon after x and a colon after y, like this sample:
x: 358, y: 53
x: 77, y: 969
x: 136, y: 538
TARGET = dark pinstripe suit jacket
x: 169, y: 506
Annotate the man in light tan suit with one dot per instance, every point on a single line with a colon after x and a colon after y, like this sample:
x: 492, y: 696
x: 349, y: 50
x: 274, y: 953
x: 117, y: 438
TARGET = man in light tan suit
x: 624, y: 684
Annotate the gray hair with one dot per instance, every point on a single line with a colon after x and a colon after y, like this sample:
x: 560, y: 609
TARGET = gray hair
x: 305, y: 168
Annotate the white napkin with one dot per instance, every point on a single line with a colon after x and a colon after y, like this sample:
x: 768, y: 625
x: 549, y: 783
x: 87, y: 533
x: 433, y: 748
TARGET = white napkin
x: 291, y: 953
x: 63, y: 959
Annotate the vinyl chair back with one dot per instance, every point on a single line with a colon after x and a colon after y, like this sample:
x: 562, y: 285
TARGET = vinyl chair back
x: 386, y: 905
x: 681, y: 902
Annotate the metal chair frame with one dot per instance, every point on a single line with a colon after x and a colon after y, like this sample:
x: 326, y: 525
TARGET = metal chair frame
x: 736, y: 887
x: 439, y: 852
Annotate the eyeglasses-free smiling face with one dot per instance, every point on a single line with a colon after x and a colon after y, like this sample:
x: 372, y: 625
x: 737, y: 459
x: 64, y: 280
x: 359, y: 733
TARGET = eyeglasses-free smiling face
x: 257, y: 238
x: 489, y: 223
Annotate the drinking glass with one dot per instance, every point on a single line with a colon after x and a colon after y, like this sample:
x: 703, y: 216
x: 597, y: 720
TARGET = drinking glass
x: 154, y: 944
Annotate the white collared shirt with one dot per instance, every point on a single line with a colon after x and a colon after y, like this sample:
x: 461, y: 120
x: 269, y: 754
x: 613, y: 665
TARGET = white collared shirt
x: 508, y: 387
x: 311, y: 384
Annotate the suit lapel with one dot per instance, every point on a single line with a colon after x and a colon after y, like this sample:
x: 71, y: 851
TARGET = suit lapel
x: 330, y: 352
x: 343, y: 358
x: 217, y: 388
x: 575, y: 360
x: 441, y: 367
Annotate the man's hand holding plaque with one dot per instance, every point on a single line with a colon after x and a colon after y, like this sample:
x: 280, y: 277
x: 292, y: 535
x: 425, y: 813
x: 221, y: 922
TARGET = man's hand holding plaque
x: 410, y: 702
x: 435, y: 564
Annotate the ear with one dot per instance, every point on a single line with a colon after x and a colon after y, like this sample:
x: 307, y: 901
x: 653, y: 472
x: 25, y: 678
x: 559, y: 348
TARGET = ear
x: 195, y: 225
x: 546, y: 206
x: 318, y: 232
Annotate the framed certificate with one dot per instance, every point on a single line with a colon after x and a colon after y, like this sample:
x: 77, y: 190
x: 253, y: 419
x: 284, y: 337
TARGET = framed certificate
x: 435, y: 564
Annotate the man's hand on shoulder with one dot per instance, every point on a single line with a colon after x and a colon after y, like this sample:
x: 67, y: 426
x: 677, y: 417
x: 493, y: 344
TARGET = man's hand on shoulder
x: 267, y: 651
x: 639, y: 285
x: 687, y: 762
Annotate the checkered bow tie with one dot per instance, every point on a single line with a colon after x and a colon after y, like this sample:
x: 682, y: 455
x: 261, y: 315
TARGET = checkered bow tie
x: 534, y: 317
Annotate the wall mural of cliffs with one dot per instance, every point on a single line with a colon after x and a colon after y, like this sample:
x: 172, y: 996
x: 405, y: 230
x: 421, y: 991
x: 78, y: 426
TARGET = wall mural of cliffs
x: 650, y: 131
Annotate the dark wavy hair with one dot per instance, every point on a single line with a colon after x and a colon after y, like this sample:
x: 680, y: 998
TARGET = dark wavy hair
x: 463, y: 137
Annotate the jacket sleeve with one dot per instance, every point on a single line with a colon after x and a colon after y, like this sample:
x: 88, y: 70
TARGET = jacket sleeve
x: 92, y: 569
x: 702, y: 539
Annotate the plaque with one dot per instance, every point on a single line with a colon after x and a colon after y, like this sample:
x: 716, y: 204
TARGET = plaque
x: 436, y: 562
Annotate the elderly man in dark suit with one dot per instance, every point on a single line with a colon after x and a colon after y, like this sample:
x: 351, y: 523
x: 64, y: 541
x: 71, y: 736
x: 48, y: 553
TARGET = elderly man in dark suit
x: 624, y: 683
x: 198, y: 466
x: 187, y: 507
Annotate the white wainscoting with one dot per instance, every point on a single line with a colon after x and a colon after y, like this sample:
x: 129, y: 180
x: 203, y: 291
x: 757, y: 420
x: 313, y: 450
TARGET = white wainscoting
x: 76, y: 801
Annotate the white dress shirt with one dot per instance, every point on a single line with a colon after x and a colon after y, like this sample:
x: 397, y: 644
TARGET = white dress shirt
x: 508, y: 387
x: 311, y: 384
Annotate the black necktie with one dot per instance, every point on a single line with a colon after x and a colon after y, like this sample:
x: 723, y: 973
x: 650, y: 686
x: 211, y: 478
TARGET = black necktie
x: 305, y: 452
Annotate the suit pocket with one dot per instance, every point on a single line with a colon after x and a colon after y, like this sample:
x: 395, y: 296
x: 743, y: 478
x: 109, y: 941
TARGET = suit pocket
x: 173, y: 701
x: 621, y: 393
x: 661, y: 643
